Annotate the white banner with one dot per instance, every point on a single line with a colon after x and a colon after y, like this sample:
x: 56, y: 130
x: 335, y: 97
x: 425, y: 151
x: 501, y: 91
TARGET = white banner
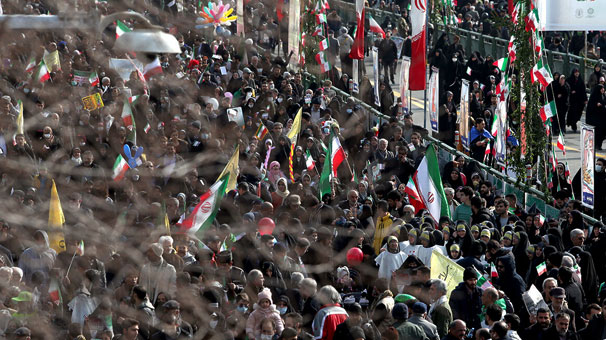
x: 399, y: 44
x: 375, y: 69
x: 355, y: 77
x: 434, y: 99
x: 124, y: 67
x: 464, y: 115
x: 294, y: 32
x: 500, y: 141
x: 404, y: 72
x: 587, y: 163
x: 572, y: 15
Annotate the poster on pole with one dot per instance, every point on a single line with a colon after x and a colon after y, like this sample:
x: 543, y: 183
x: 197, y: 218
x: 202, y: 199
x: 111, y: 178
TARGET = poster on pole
x: 587, y: 163
x: 434, y: 99
x: 240, y: 19
x: 464, y: 115
x: 399, y: 41
x: 404, y: 84
x: 355, y: 77
x: 501, y: 113
x: 294, y: 31
x: 375, y: 70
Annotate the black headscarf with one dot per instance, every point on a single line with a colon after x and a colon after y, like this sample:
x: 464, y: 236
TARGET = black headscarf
x: 589, y: 276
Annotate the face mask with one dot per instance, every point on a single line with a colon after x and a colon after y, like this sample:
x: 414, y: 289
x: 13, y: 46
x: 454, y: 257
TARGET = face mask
x: 205, y: 136
x: 47, y: 135
x: 251, y: 105
x: 280, y: 99
x: 282, y: 310
x: 454, y: 60
x: 81, y: 123
x: 242, y: 309
x: 266, y: 337
x: 77, y: 160
x: 598, y: 168
x: 213, y: 324
x: 271, y: 87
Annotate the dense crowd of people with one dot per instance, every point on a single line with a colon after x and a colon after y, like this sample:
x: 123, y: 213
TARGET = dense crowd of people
x: 279, y: 260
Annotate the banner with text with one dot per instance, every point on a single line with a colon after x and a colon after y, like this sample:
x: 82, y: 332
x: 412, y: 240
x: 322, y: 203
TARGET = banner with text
x: 404, y: 72
x: 464, y: 115
x: 587, y: 164
x: 434, y: 99
x: 445, y: 269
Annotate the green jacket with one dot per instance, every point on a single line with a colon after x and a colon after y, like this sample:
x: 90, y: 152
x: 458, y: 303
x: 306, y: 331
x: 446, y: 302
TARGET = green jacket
x: 441, y: 316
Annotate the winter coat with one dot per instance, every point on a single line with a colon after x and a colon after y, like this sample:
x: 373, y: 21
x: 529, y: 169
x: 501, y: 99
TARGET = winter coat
x: 158, y: 278
x: 36, y: 259
x: 466, y: 305
x: 512, y: 284
x: 253, y: 324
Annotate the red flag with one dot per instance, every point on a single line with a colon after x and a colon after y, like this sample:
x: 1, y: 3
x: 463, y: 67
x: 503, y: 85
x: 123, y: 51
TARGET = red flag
x: 279, y: 12
x: 418, y: 60
x: 357, y: 50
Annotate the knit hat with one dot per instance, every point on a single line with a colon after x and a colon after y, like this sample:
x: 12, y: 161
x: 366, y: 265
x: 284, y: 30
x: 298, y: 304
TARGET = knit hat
x: 460, y: 227
x: 469, y: 273
x: 400, y: 311
x: 485, y: 232
x: 265, y: 294
x: 157, y: 249
x: 475, y: 228
x: 419, y: 308
x: 455, y: 247
x: 508, y: 236
x: 424, y: 236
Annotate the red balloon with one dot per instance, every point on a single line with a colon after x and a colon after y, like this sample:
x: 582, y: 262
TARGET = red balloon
x: 266, y: 226
x: 354, y: 256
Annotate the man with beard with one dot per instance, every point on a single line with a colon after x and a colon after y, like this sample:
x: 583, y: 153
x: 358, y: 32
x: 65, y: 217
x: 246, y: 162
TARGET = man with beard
x: 536, y: 331
x: 171, y: 325
x: 560, y: 329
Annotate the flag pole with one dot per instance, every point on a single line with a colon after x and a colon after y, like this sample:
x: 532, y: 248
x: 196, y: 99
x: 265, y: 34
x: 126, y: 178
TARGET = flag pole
x: 71, y: 262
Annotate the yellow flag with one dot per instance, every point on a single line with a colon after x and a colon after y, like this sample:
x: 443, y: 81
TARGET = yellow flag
x: 296, y: 127
x: 52, y: 61
x: 56, y: 219
x: 20, y: 118
x: 446, y: 269
x: 166, y: 223
x: 232, y: 169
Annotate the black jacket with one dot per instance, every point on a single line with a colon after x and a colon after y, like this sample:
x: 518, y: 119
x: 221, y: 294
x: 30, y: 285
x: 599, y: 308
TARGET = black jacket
x: 513, y: 286
x: 466, y: 305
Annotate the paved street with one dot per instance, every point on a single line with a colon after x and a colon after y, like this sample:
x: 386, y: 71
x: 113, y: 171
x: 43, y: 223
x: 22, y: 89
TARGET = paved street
x: 572, y: 140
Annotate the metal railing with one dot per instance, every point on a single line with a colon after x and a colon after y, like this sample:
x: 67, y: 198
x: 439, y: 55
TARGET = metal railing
x: 526, y: 192
x: 563, y: 63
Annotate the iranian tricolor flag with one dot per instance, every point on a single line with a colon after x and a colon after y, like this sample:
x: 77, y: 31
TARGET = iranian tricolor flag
x: 93, y: 79
x: 560, y: 144
x: 133, y: 99
x: 548, y: 111
x: 152, y: 69
x: 317, y: 31
x: 511, y: 48
x: 42, y: 75
x: 413, y: 195
x: 119, y: 169
x: 539, y: 44
x: 31, y: 65
x: 418, y: 62
x: 494, y: 126
x: 324, y: 44
x: 516, y: 12
x: 127, y: 115
x: 54, y: 292
x: 541, y: 269
x: 147, y: 128
x: 374, y: 27
x: 204, y: 213
x: 541, y: 74
x: 357, y: 49
x: 321, y: 18
x: 323, y: 62
x: 335, y: 156
x: 429, y: 185
x: 532, y: 20
x: 262, y: 131
x: 501, y: 63
x: 309, y: 161
x: 493, y: 270
x: 121, y: 28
